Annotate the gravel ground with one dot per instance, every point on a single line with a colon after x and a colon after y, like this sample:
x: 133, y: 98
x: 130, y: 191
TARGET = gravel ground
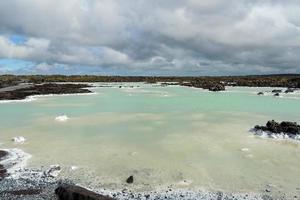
x: 37, y: 184
x: 37, y: 187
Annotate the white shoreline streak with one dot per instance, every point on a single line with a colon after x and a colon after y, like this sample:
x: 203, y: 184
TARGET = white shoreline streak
x: 36, y: 97
x: 275, y: 136
x: 15, y: 161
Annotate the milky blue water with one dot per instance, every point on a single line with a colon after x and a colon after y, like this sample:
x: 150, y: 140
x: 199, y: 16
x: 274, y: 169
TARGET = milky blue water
x: 185, y: 137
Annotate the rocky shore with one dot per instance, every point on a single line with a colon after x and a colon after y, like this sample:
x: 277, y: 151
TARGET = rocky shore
x: 43, y: 89
x: 281, y: 80
x: 39, y: 184
x: 211, y: 86
x: 18, y: 182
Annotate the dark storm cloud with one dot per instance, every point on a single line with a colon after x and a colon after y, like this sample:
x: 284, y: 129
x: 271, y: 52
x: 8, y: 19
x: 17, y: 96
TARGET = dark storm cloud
x: 153, y: 37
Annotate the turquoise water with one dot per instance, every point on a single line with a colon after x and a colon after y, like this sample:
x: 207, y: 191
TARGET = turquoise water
x: 185, y: 137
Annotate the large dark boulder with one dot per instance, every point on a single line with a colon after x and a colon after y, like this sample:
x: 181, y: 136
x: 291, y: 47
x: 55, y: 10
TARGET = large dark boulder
x: 73, y: 192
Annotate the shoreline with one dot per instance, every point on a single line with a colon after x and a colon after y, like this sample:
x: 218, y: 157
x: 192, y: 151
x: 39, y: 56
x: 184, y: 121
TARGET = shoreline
x: 19, y: 87
x: 36, y: 97
x: 43, y: 89
x: 85, y: 91
x: 34, y: 184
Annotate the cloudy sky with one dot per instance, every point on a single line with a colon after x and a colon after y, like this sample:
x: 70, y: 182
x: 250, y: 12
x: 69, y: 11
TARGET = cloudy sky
x: 150, y: 37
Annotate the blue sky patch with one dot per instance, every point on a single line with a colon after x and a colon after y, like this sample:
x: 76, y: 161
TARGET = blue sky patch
x: 18, y: 39
x: 14, y: 64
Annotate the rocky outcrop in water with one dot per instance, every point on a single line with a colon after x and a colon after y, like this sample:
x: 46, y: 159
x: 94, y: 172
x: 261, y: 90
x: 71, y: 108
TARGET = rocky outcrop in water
x: 43, y: 89
x: 72, y: 192
x: 289, y: 128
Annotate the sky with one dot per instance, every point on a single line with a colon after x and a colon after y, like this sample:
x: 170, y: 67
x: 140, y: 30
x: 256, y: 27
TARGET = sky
x: 150, y: 37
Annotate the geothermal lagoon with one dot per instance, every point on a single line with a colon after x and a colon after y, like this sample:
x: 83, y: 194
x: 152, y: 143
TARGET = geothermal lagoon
x: 187, y: 138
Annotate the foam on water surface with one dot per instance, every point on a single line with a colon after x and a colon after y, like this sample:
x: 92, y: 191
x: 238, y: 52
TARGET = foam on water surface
x: 62, y: 118
x: 15, y: 161
x: 19, y: 139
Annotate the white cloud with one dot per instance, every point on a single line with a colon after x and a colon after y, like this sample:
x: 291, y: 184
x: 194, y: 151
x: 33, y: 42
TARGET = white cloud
x: 159, y: 35
x: 29, y: 50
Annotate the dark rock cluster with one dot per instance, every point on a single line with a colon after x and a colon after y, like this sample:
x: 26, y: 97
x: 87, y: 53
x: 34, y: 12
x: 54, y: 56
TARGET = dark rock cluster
x: 291, y: 81
x: 43, y: 89
x: 217, y: 87
x: 289, y: 90
x: 210, y: 85
x: 289, y: 128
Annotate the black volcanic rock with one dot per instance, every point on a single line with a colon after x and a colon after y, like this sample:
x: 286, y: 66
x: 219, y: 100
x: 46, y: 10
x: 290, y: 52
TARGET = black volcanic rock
x: 43, y: 89
x: 260, y: 93
x: 289, y: 128
x: 217, y: 87
x: 289, y: 90
x: 72, y: 192
x: 129, y: 180
x: 276, y: 91
x: 277, y: 95
x: 210, y: 85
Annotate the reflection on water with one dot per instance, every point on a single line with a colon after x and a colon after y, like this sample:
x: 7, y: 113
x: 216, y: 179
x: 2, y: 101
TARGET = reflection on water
x: 192, y: 138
